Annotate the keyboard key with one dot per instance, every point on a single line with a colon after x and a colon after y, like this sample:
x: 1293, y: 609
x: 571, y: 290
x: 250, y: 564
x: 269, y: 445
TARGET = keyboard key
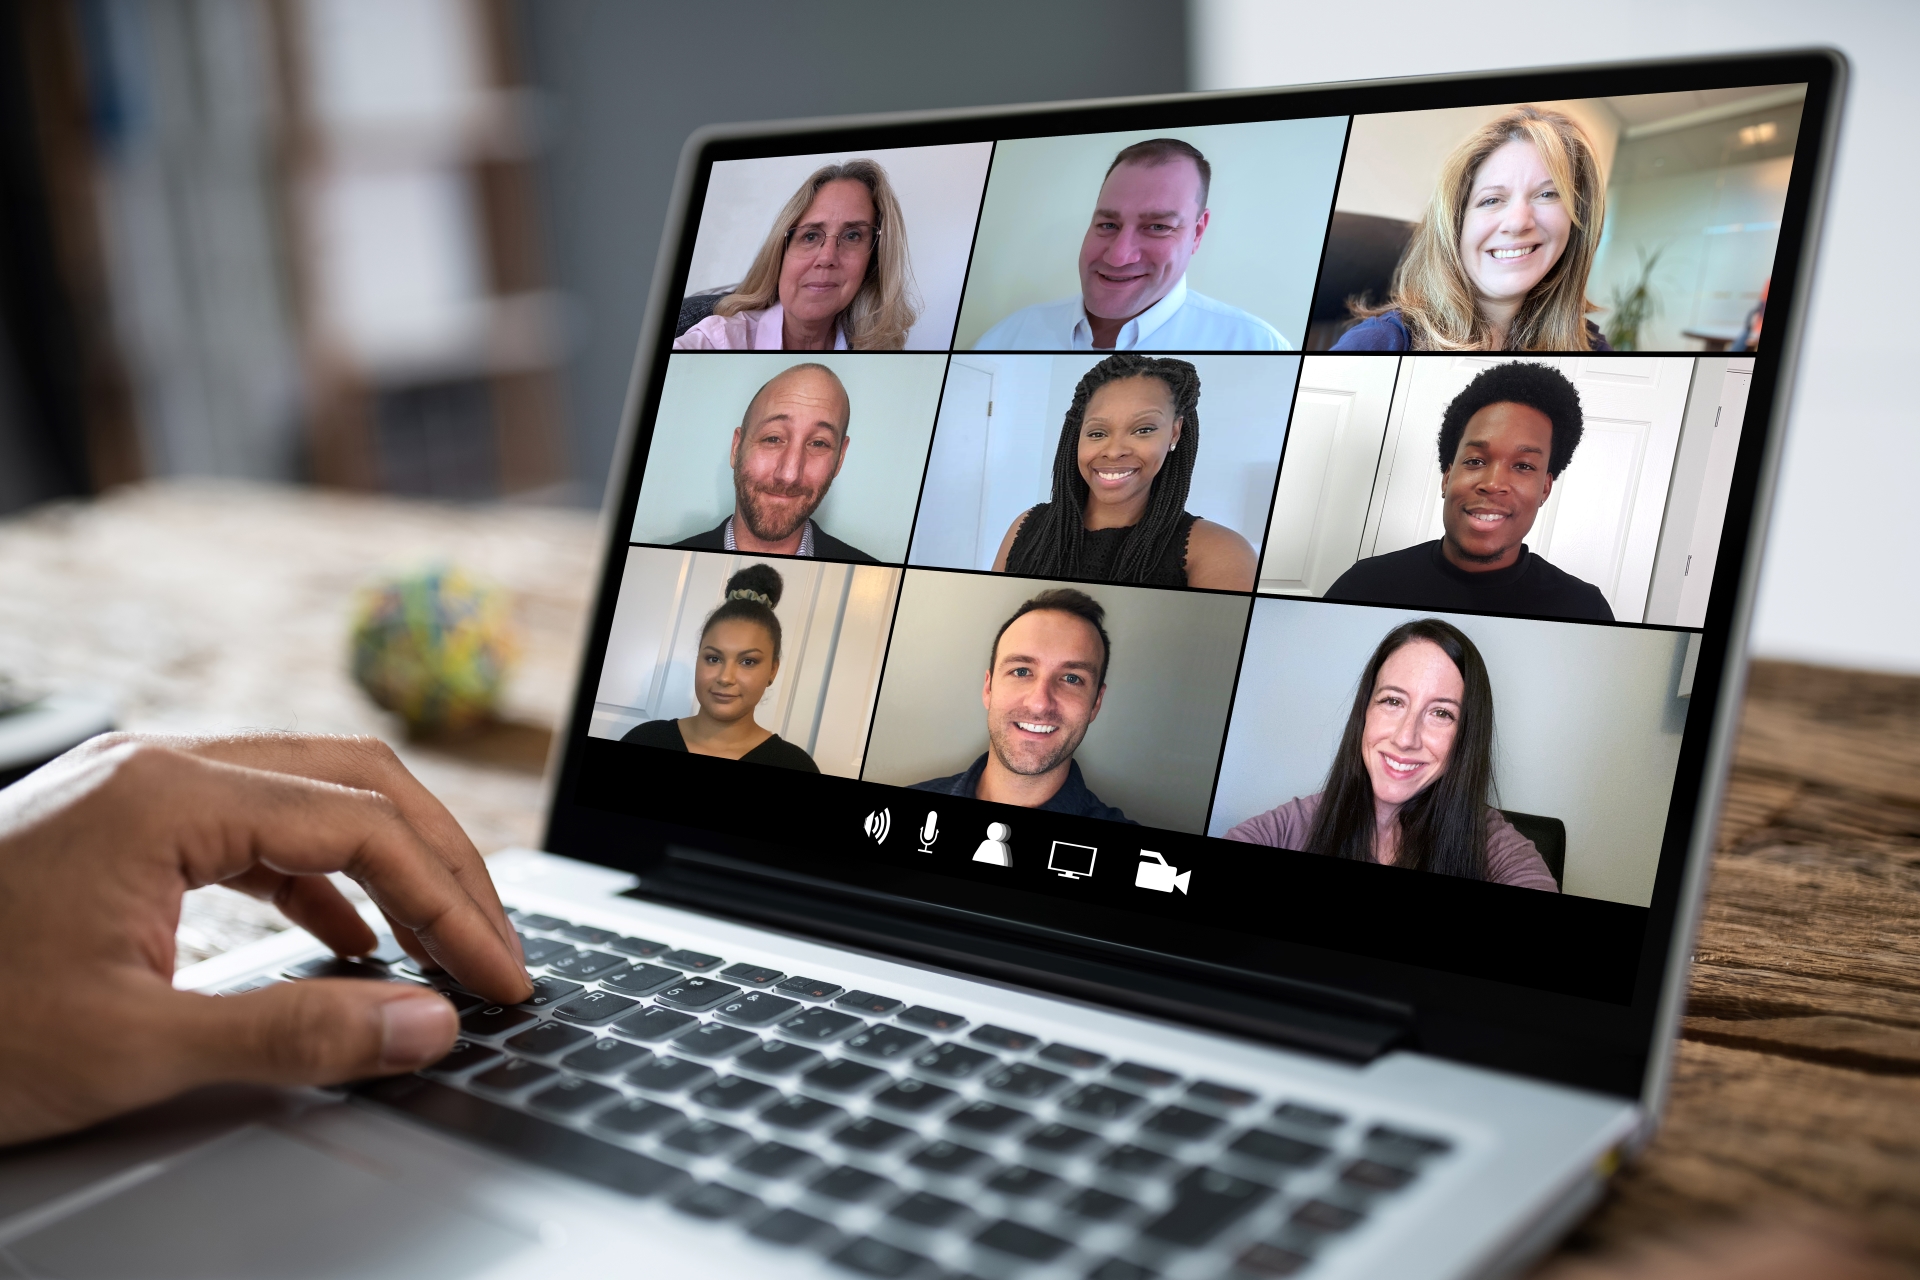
x: 697, y: 994
x: 588, y: 934
x: 1308, y: 1117
x: 642, y: 979
x: 773, y: 1160
x: 808, y: 988
x: 1022, y: 1183
x: 932, y: 1019
x: 464, y: 1056
x: 924, y: 1209
x: 560, y: 955
x: 732, y: 1093
x: 640, y: 948
x: 571, y: 1098
x: 1181, y: 1124
x: 651, y: 1026
x: 819, y: 1026
x: 536, y: 950
x: 696, y: 961
x: 547, y: 1039
x: 1065, y: 1055
x: 1219, y: 1095
x: 1206, y: 1202
x: 869, y: 1133
x: 775, y: 1058
x: 1271, y: 1260
x: 546, y: 924
x: 704, y: 1138
x: 1121, y: 1269
x: 604, y: 1058
x: 800, y: 1114
x: 668, y: 1075
x: 885, y: 1044
x: 1138, y: 1073
x: 954, y: 1061
x: 868, y: 1003
x: 847, y: 1184
x: 844, y: 1077
x: 513, y: 1074
x: 788, y: 1227
x: 948, y: 1159
x: 1022, y: 1242
x: 913, y: 1097
x: 713, y: 1201
x: 1058, y: 1139
x: 462, y: 1001
x: 754, y: 975
x: 1401, y: 1147
x: 869, y: 1257
x: 494, y: 1020
x: 711, y: 1040
x: 1024, y: 1081
x: 1277, y: 1148
x: 594, y: 1008
x: 987, y: 1118
x: 756, y: 1009
x: 1101, y: 1102
x: 1132, y: 1161
x: 1098, y: 1206
x: 548, y: 991
x: 636, y: 1116
x: 1001, y: 1038
x: 1371, y: 1175
x: 1329, y: 1219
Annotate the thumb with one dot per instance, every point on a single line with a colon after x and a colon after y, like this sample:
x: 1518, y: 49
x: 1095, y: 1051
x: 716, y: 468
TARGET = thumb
x: 320, y: 1031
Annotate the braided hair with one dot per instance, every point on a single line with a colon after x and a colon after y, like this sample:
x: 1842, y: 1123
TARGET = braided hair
x: 751, y: 595
x: 1052, y: 543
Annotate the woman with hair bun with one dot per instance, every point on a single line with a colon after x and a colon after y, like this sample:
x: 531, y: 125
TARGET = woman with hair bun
x: 739, y: 657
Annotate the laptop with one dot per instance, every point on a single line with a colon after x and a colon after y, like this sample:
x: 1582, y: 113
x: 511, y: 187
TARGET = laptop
x: 1155, y: 707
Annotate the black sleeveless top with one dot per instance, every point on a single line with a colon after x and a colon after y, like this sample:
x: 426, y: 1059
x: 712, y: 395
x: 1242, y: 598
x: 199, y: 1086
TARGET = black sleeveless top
x: 1101, y: 548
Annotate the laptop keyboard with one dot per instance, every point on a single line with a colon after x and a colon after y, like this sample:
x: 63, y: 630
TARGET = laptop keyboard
x: 894, y: 1138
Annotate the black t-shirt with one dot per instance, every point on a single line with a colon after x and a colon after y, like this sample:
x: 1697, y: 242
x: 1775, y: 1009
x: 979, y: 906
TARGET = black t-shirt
x: 775, y: 751
x: 1421, y: 577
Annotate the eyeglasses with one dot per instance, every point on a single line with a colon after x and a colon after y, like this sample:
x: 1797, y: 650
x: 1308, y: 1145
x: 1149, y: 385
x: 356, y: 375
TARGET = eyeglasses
x: 856, y: 240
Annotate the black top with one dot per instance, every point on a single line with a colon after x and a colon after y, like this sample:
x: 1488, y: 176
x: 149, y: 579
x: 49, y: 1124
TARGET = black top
x: 1072, y: 797
x: 776, y: 751
x: 1102, y: 547
x: 1421, y: 577
x: 825, y: 545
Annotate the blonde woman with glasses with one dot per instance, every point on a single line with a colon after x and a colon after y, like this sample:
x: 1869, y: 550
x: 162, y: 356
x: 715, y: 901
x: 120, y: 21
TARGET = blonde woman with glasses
x: 1500, y: 260
x: 832, y: 276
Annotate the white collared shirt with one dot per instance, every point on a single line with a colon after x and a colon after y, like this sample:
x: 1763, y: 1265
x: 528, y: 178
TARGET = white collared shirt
x: 746, y: 331
x: 1181, y: 321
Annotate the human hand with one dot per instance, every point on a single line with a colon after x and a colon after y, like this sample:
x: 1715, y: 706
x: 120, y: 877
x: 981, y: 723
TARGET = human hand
x: 96, y: 850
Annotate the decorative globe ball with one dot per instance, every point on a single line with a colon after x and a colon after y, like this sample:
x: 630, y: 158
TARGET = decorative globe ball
x: 434, y: 646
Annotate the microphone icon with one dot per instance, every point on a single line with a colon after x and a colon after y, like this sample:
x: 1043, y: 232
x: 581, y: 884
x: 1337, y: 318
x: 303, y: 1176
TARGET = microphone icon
x: 929, y: 831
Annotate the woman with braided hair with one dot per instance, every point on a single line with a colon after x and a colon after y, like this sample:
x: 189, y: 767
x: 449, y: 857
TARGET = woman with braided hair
x: 739, y: 657
x: 1120, y: 480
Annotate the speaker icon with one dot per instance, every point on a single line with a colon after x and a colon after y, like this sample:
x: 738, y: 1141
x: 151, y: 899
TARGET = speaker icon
x: 879, y: 824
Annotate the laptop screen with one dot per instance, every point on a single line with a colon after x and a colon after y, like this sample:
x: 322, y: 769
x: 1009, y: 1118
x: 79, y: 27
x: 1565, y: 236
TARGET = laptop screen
x: 1229, y: 528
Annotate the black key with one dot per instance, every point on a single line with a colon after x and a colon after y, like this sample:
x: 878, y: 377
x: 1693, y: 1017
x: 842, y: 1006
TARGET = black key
x: 1403, y: 1147
x: 697, y: 994
x: 1271, y: 1260
x: 913, y: 1097
x: 536, y: 950
x: 546, y: 924
x: 604, y: 1058
x: 587, y: 965
x: 947, y: 1158
x: 1277, y: 1148
x: 1022, y: 1242
x: 819, y: 1026
x: 1134, y: 1162
x: 1058, y: 1139
x: 731, y: 1093
x: 1308, y: 1117
x: 932, y: 1019
x: 809, y: 988
x: 1097, y: 1205
x: 870, y: 1257
x: 462, y: 1001
x: 642, y: 979
x: 636, y: 1116
x: 869, y: 1133
x: 885, y: 1044
x: 1371, y: 1175
x: 514, y: 1073
x: 651, y: 1026
x: 571, y: 1098
x: 595, y: 1007
x: 800, y: 1114
x: 588, y: 934
x: 1181, y: 1124
x: 641, y: 948
x: 773, y: 1160
x: 1100, y: 1101
x: 754, y: 975
x: 711, y: 1040
x: 705, y: 1138
x: 548, y: 991
x: 494, y: 1020
x: 788, y: 1227
x: 669, y: 1075
x: 1220, y: 1095
x: 954, y: 1061
x: 847, y: 1184
x: 756, y: 1009
x: 464, y: 1056
x: 1023, y: 1081
x: 340, y: 967
x: 988, y: 1118
x: 547, y: 1038
x: 844, y: 1077
x: 713, y: 1201
x: 1065, y: 1055
x: 1121, y: 1269
x: 1206, y: 1202
x: 1139, y: 1073
x: 564, y: 952
x: 697, y: 961
x: 1318, y: 1215
x: 1001, y: 1038
x: 868, y: 1003
x: 1022, y: 1182
x: 776, y: 1058
x: 924, y: 1209
x: 528, y: 1137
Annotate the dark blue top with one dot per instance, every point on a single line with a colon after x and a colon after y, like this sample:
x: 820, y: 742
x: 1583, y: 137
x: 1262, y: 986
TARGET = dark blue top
x: 1388, y: 332
x: 1072, y: 797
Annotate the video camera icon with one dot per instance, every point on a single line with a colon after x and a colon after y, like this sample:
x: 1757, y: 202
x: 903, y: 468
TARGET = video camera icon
x: 1154, y: 873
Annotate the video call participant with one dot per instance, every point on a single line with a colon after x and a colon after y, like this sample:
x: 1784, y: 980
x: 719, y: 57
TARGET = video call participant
x: 1120, y: 479
x: 1503, y: 442
x: 1147, y: 224
x: 1500, y: 260
x: 789, y: 446
x: 739, y: 657
x: 1409, y: 783
x: 833, y: 274
x: 1046, y: 678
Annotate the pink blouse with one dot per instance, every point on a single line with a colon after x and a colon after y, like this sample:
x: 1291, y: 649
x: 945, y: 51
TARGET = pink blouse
x: 1511, y: 857
x: 746, y: 331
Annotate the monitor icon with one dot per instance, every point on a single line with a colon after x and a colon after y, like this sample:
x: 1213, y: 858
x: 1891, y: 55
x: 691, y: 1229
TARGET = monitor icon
x: 1074, y: 861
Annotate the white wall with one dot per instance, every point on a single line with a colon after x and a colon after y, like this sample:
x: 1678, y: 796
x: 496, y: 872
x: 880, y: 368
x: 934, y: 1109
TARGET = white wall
x: 1853, y: 431
x: 939, y: 192
x: 1586, y: 720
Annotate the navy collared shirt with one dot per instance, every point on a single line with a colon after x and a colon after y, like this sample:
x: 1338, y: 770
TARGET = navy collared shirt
x: 1072, y: 797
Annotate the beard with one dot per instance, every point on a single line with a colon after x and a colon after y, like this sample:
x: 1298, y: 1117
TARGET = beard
x: 1031, y: 759
x: 770, y: 509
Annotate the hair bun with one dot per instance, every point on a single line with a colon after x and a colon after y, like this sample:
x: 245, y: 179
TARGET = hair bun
x: 759, y: 579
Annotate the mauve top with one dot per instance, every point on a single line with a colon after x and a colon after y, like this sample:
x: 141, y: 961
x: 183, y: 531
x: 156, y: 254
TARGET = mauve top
x: 1511, y: 857
x: 1388, y: 332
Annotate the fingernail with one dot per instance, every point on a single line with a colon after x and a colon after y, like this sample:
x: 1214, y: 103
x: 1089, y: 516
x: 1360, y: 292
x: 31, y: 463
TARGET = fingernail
x: 415, y: 1030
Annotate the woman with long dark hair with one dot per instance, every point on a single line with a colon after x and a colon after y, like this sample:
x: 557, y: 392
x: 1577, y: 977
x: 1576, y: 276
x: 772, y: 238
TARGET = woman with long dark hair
x: 1121, y: 474
x: 739, y: 657
x: 1411, y: 781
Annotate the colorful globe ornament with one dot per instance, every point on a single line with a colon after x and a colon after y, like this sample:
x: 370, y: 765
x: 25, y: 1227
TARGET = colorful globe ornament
x: 434, y: 647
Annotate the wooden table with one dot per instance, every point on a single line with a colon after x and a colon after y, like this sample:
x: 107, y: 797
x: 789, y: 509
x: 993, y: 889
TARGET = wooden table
x: 213, y: 606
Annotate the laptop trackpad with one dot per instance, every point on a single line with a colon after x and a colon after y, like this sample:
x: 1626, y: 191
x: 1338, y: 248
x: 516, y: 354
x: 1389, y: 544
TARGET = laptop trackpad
x: 259, y: 1203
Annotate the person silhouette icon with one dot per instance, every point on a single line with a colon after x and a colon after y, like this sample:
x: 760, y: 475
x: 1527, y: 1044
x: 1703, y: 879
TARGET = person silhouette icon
x: 995, y: 849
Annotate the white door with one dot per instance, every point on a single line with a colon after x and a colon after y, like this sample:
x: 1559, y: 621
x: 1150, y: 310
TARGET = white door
x: 952, y: 505
x: 1704, y: 546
